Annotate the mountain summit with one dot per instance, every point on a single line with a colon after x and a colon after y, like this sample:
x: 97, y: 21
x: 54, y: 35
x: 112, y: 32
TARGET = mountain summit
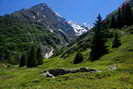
x: 46, y: 17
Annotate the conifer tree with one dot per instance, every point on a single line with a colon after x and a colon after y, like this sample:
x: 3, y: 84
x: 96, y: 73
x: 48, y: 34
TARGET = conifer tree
x: 113, y: 22
x: 119, y: 21
x: 39, y: 56
x: 32, y: 58
x: 98, y: 47
x: 116, y: 42
x: 78, y: 58
x: 23, y: 60
x: 127, y: 14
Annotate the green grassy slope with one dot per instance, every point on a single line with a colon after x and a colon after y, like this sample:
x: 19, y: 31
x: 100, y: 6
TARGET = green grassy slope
x: 122, y: 78
x: 16, y: 37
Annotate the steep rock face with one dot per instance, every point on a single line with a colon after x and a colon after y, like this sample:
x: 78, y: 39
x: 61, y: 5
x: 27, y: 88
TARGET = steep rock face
x: 45, y: 16
x: 48, y: 51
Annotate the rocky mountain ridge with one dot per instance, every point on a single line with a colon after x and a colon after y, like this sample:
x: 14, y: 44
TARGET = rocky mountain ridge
x: 46, y: 17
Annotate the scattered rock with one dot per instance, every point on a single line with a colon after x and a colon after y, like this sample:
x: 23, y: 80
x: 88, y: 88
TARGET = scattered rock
x: 47, y: 74
x: 112, y: 67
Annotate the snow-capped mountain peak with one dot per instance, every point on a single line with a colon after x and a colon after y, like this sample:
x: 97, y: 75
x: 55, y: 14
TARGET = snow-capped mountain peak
x: 78, y: 29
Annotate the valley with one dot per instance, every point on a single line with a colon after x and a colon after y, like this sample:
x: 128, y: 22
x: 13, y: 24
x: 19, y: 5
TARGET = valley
x: 41, y: 50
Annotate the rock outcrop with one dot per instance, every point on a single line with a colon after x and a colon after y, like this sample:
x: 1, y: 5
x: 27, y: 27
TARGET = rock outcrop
x: 48, y: 52
x: 56, y: 72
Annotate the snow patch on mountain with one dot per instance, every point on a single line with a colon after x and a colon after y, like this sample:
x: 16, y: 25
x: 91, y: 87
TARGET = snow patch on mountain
x: 78, y: 29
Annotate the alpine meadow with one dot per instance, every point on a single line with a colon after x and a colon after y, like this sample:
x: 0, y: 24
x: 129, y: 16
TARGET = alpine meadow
x: 40, y: 49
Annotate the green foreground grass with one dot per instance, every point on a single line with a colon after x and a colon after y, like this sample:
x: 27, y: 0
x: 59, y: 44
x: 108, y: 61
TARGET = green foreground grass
x: 30, y: 78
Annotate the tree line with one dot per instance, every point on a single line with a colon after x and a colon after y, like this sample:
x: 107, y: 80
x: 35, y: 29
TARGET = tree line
x: 124, y: 17
x: 32, y: 58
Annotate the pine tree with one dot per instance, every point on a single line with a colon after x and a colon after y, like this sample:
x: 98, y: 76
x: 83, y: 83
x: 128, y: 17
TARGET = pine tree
x: 32, y: 58
x: 119, y: 21
x: 116, y: 42
x: 113, y: 22
x: 127, y: 14
x: 39, y: 56
x: 98, y: 47
x: 22, y: 62
x: 78, y: 58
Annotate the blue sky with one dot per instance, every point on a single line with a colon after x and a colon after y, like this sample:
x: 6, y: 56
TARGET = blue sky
x: 80, y: 11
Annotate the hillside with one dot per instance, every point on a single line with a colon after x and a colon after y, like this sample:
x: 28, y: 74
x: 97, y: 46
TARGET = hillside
x: 35, y: 26
x: 116, y: 70
x: 16, y: 37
